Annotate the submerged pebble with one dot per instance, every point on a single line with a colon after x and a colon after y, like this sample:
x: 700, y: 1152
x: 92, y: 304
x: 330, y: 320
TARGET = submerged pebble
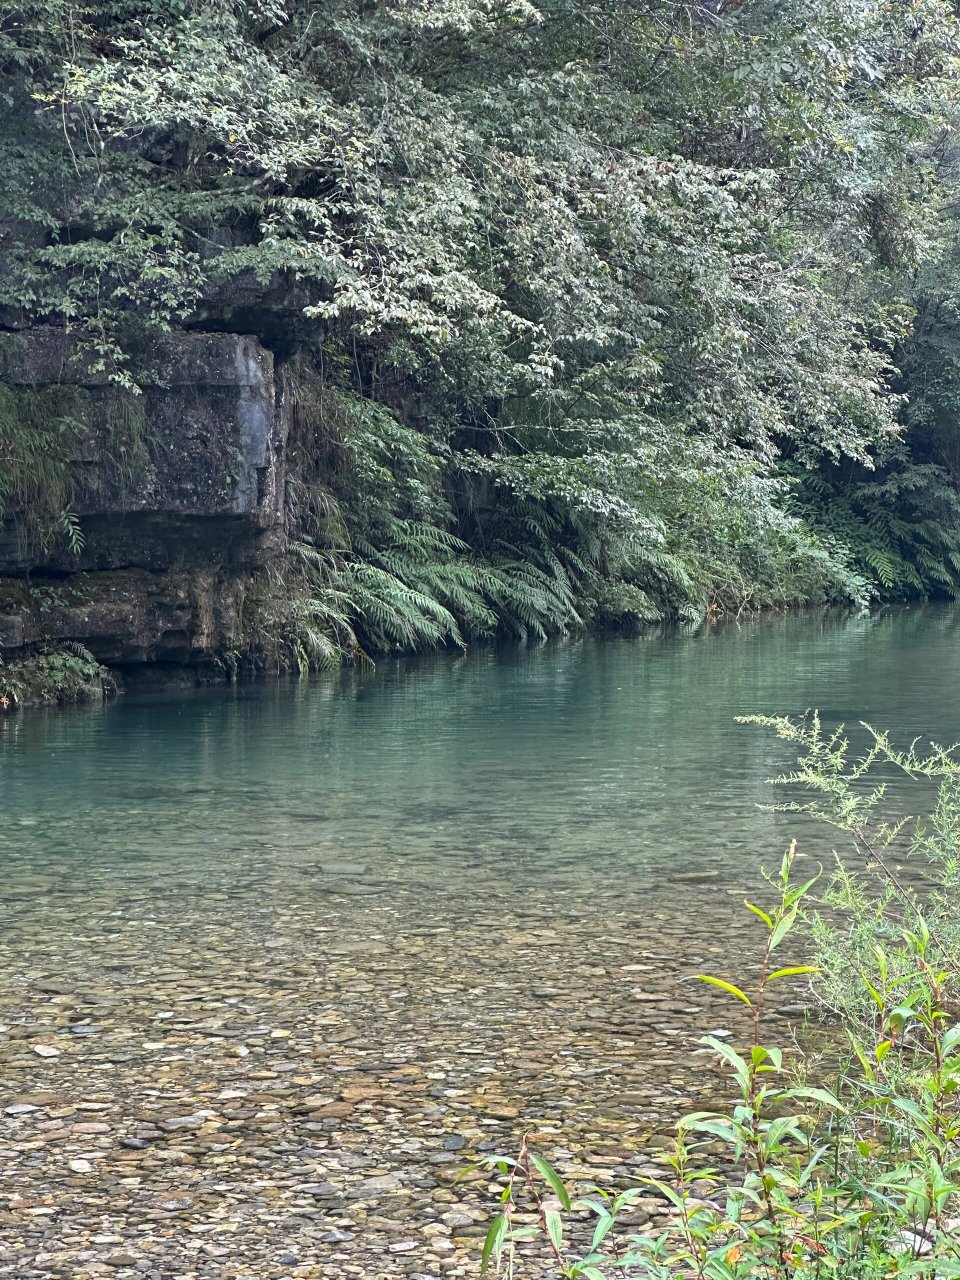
x: 389, y: 1040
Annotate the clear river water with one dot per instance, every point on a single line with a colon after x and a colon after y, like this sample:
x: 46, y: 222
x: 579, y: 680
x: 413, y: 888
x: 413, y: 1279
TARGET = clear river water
x: 278, y: 961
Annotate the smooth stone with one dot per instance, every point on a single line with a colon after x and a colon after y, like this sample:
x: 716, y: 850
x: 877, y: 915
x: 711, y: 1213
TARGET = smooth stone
x: 335, y: 1110
x: 378, y: 1186
x: 457, y: 1218
x: 175, y: 1203
x: 195, y: 1121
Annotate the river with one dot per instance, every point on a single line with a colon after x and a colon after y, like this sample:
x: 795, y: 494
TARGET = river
x: 293, y: 954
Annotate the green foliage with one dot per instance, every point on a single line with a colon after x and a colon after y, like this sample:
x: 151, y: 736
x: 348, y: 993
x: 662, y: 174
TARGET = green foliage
x: 575, y: 279
x: 379, y: 566
x: 57, y: 674
x: 38, y: 428
x: 914, y: 865
x: 818, y: 1167
x: 898, y: 531
x: 42, y: 429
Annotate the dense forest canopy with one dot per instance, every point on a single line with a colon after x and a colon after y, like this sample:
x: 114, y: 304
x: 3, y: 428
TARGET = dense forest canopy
x: 594, y: 309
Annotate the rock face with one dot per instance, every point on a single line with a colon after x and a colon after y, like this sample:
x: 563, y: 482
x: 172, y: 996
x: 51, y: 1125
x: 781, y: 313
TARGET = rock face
x: 179, y: 493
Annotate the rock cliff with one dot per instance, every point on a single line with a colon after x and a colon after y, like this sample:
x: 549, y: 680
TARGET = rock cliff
x: 179, y: 495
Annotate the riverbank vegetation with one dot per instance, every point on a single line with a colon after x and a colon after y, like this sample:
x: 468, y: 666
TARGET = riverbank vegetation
x: 593, y: 311
x: 835, y: 1160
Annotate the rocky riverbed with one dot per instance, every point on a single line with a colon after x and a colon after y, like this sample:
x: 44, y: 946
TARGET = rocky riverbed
x: 285, y: 1075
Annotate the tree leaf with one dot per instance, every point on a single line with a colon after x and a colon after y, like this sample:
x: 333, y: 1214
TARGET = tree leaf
x: 726, y: 986
x: 782, y: 928
x: 493, y: 1242
x: 604, y: 1223
x: 554, y: 1224
x: 758, y: 912
x: 550, y: 1175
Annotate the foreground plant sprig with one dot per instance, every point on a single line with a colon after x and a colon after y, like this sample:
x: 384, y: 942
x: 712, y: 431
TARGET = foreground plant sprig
x: 837, y: 1162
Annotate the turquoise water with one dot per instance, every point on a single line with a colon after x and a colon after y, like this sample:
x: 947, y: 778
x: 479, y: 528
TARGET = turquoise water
x: 277, y: 961
x: 609, y: 759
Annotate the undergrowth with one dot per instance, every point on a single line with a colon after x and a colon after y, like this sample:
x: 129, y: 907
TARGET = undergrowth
x: 43, y: 430
x: 67, y: 672
x: 39, y: 431
x: 843, y: 1161
x: 396, y: 546
x: 898, y: 529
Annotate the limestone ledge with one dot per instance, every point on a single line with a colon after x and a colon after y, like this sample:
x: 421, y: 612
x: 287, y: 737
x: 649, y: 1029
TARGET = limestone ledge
x: 129, y: 617
x: 171, y: 537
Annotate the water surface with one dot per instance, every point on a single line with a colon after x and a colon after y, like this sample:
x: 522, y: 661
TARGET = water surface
x: 304, y: 949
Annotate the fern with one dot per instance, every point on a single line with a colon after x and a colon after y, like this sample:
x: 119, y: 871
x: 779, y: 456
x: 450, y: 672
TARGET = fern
x: 394, y: 552
x: 899, y: 528
x: 38, y: 429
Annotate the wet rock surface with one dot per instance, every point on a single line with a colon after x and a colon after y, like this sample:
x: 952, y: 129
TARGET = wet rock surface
x: 286, y: 1075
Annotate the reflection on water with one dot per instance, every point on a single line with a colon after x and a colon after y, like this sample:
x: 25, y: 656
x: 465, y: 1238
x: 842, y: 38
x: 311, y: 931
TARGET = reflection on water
x: 611, y: 760
x: 433, y: 905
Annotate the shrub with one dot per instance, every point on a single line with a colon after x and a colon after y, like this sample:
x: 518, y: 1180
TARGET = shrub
x: 839, y: 1161
x: 67, y: 673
